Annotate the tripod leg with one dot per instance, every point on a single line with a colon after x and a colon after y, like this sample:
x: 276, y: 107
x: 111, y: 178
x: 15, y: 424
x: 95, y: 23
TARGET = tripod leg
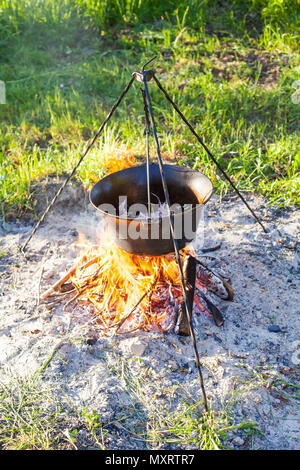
x: 208, y: 152
x: 78, y: 163
x: 176, y: 248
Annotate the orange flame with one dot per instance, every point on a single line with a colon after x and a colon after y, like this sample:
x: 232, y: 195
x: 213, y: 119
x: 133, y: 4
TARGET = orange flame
x: 119, y: 162
x: 115, y: 281
x: 116, y: 161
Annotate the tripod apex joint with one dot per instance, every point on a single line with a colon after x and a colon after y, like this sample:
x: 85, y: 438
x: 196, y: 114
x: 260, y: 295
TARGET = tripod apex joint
x: 142, y: 75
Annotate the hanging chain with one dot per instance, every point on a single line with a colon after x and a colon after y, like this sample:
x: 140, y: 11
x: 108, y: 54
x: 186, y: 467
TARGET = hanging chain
x: 147, y: 132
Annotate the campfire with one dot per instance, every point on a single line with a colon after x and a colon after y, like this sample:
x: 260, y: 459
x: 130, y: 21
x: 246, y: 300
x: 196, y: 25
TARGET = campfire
x: 153, y: 282
x: 131, y: 292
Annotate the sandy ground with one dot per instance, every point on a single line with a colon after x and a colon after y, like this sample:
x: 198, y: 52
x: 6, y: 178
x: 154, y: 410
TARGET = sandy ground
x: 261, y: 330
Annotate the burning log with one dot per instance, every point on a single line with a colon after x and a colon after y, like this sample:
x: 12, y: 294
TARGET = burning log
x: 216, y: 314
x: 191, y: 276
x: 215, y: 283
x: 229, y: 289
x: 189, y: 273
x: 147, y: 286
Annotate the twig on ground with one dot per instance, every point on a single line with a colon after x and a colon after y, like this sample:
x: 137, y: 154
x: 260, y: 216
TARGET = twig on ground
x: 120, y: 323
x: 49, y: 358
x: 67, y: 276
x: 72, y: 300
x: 212, y: 248
x: 39, y: 286
x: 59, y: 283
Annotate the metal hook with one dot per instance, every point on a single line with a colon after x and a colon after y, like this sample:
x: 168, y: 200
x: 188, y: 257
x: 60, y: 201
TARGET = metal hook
x: 143, y: 68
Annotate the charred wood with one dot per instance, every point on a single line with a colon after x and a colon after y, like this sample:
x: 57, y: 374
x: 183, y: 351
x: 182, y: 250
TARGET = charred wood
x: 189, y: 273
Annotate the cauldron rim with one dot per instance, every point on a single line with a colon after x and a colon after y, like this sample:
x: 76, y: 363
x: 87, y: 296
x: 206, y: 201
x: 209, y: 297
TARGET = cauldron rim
x: 152, y: 221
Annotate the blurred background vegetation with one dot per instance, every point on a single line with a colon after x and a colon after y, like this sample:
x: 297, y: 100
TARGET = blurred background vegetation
x: 231, y: 67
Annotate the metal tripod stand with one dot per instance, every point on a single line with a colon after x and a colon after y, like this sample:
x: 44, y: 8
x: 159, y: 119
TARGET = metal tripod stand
x: 144, y: 76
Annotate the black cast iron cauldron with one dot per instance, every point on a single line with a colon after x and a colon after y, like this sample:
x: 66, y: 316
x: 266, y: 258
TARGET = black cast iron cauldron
x: 150, y: 237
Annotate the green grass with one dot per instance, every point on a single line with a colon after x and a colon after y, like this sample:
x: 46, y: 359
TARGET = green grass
x: 34, y: 416
x: 29, y: 417
x: 230, y: 67
x: 208, y: 431
x: 262, y: 377
x: 155, y: 415
x: 161, y: 424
